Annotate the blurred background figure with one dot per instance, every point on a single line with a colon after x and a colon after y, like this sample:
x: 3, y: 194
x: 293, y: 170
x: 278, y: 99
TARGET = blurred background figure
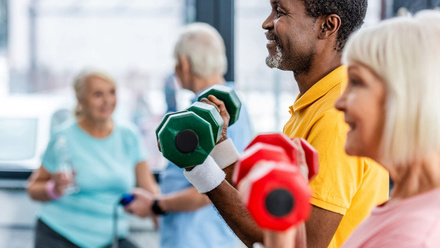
x: 188, y: 219
x: 191, y: 220
x: 102, y: 158
x: 170, y: 88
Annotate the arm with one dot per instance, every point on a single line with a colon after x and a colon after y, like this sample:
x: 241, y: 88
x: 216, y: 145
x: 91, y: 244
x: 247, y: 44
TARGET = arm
x: 229, y: 170
x: 228, y: 203
x: 183, y: 201
x: 321, y: 226
x: 36, y: 184
x: 145, y: 193
x: 145, y: 178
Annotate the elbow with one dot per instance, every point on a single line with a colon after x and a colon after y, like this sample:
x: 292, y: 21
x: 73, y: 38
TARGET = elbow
x: 32, y: 191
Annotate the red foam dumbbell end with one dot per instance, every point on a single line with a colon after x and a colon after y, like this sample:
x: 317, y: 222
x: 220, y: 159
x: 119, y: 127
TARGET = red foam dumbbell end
x: 312, y: 158
x: 277, y: 139
x: 276, y: 195
x: 253, y: 155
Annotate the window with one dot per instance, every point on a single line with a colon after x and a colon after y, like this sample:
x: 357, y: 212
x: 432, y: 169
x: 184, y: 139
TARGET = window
x: 18, y: 138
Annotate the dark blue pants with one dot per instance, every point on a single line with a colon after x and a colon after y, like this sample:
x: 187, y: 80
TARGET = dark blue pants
x: 46, y: 237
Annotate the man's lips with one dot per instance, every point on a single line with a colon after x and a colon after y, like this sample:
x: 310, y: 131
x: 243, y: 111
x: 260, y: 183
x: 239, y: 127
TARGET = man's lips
x: 271, y: 39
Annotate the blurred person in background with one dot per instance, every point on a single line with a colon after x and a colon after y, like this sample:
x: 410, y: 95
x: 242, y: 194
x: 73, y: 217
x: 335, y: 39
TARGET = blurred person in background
x: 102, y: 159
x: 170, y: 93
x: 188, y: 217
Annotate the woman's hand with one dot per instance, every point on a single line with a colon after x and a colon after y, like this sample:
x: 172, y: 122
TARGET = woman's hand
x: 142, y: 203
x: 61, y: 180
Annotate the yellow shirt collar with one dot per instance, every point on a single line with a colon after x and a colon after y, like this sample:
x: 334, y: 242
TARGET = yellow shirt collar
x: 324, y: 85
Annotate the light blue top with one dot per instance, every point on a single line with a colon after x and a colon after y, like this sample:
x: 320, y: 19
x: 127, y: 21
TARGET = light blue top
x: 105, y: 169
x: 205, y: 227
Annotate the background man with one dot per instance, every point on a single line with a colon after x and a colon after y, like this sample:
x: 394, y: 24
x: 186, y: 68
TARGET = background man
x: 190, y: 219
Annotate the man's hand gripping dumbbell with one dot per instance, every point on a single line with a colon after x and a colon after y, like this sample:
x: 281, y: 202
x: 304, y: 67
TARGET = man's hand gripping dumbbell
x: 188, y: 138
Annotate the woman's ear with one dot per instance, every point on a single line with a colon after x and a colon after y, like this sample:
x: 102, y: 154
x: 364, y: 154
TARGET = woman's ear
x: 329, y: 26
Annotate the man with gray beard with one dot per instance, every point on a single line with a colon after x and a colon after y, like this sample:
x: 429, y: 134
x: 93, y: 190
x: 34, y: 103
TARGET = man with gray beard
x: 307, y: 38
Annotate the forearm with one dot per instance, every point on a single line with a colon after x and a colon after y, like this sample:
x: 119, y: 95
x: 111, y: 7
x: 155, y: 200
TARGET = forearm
x: 145, y: 178
x: 321, y: 226
x: 37, y: 191
x: 183, y: 201
x: 150, y: 184
x: 228, y: 203
x: 36, y: 185
x: 229, y: 171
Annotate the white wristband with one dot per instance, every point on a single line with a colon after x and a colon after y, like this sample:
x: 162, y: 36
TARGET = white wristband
x: 224, y: 153
x: 205, y: 177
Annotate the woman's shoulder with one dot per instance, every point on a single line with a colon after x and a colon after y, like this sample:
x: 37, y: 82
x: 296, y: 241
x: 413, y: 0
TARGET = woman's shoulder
x: 64, y: 129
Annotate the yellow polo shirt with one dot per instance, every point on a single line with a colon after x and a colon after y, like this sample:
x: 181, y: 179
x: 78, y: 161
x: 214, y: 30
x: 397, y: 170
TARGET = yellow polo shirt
x: 347, y: 185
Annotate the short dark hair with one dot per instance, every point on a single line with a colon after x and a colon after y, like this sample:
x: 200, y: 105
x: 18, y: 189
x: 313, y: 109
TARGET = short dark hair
x: 351, y: 12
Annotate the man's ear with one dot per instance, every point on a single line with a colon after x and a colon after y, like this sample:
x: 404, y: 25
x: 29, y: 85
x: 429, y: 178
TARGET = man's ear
x: 329, y: 26
x: 184, y: 63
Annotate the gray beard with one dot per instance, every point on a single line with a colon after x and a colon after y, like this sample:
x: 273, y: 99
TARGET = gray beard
x: 275, y: 61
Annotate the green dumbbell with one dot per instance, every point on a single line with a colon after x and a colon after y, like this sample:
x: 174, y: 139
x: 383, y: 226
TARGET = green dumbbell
x: 228, y: 96
x: 164, y: 119
x: 209, y: 113
x: 186, y: 138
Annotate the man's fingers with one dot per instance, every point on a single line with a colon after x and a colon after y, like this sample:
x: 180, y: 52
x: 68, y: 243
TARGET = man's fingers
x: 205, y: 100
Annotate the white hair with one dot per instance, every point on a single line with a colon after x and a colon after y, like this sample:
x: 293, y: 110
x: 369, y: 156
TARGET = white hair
x: 81, y: 79
x: 204, y: 48
x: 405, y: 53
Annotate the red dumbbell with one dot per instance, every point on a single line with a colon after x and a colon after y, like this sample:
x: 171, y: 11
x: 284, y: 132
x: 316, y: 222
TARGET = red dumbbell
x: 279, y: 139
x: 253, y: 155
x: 276, y: 195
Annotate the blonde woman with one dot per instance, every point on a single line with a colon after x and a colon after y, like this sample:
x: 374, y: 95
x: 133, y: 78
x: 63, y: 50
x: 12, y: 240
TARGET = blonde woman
x: 392, y: 105
x: 108, y: 160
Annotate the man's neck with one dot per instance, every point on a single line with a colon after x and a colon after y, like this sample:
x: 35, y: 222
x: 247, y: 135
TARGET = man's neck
x: 200, y: 84
x: 321, y: 67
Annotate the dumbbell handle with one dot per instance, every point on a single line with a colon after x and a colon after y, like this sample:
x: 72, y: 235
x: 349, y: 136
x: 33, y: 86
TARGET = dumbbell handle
x: 286, y: 239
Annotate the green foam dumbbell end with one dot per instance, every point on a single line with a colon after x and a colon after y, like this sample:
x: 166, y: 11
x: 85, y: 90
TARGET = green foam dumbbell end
x: 209, y: 113
x: 228, y: 96
x: 186, y: 139
x: 162, y: 123
x: 164, y: 119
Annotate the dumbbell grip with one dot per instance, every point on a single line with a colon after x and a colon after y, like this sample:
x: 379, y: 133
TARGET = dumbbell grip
x: 286, y: 239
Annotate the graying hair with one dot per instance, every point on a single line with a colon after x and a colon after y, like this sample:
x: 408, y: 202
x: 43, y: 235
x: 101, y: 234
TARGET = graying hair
x: 204, y: 48
x: 81, y: 79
